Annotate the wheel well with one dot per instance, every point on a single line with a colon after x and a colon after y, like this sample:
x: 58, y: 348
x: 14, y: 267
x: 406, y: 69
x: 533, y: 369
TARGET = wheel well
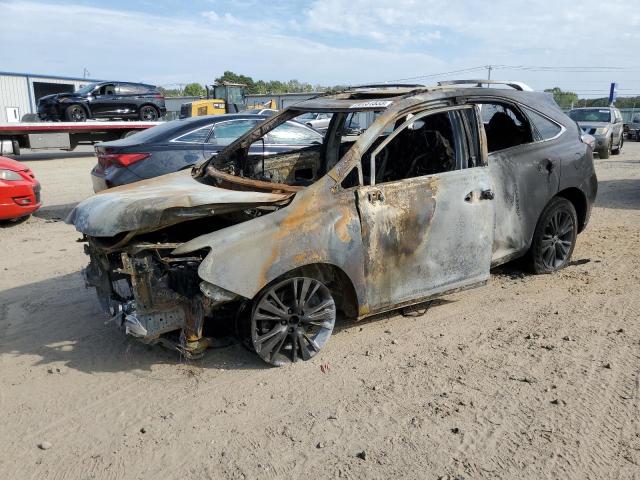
x: 579, y: 201
x: 84, y: 107
x: 336, y: 280
x: 149, y: 105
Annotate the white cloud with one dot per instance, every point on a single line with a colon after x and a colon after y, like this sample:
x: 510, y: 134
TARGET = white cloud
x: 139, y: 46
x: 403, y: 38
x: 514, y: 32
x: 211, y: 15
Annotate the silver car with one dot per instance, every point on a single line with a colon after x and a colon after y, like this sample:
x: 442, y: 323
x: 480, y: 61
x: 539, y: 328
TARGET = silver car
x: 605, y: 124
x: 317, y: 120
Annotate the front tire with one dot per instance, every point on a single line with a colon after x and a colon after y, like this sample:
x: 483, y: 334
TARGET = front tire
x: 619, y: 149
x: 75, y: 113
x: 291, y: 320
x: 148, y: 113
x: 555, y: 237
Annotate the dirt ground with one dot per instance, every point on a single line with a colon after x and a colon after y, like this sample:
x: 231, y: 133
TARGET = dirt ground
x: 529, y: 377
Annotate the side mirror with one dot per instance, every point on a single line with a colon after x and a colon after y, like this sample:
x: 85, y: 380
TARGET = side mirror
x: 417, y: 125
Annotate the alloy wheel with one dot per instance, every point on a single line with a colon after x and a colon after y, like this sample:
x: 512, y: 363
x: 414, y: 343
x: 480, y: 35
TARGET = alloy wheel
x: 148, y: 113
x: 292, y: 320
x: 78, y: 114
x: 557, y: 240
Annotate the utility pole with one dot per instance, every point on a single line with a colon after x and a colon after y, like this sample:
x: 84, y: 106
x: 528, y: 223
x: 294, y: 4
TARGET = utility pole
x: 85, y: 72
x: 489, y: 68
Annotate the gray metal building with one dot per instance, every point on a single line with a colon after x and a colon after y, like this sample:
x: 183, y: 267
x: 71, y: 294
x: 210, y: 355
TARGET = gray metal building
x: 19, y: 92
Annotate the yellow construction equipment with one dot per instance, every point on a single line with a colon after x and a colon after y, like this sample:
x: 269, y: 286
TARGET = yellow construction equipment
x: 221, y: 98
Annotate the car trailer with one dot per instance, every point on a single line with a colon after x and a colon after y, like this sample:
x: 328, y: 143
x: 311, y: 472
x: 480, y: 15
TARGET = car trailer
x: 63, y: 135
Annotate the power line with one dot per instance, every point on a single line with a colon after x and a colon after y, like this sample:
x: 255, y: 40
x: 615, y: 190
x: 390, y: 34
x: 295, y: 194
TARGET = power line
x: 569, y: 69
x: 432, y: 75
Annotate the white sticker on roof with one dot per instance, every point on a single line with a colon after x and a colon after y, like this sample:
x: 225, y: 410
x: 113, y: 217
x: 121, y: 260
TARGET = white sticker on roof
x: 603, y: 111
x: 372, y: 104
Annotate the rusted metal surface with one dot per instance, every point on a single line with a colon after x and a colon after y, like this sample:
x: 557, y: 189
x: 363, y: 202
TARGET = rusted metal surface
x: 159, y: 202
x: 318, y: 226
x: 396, y: 243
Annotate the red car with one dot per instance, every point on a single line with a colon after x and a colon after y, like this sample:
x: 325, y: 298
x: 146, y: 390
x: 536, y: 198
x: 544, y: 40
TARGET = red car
x: 19, y: 190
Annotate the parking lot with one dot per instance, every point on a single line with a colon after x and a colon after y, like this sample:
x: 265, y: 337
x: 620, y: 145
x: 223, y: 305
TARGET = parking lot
x: 528, y: 377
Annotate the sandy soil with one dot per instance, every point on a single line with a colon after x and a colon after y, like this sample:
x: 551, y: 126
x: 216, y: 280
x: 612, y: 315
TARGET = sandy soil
x: 529, y: 377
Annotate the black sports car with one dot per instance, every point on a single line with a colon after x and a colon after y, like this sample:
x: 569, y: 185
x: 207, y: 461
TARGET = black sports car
x: 104, y: 100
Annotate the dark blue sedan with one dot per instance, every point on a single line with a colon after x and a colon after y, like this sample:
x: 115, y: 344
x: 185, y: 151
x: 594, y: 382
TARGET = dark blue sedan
x: 183, y: 143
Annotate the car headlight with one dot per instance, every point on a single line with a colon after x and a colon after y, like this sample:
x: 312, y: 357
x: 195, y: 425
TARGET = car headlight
x: 10, y: 175
x: 602, y: 131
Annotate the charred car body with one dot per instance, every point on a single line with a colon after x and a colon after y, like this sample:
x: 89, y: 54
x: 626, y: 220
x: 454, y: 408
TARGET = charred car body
x: 445, y: 182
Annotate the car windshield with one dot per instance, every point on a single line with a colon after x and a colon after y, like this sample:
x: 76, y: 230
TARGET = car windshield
x: 291, y: 152
x: 87, y: 88
x: 591, y: 115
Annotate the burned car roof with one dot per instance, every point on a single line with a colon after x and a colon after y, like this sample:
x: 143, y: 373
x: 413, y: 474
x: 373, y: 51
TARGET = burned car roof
x: 381, y: 98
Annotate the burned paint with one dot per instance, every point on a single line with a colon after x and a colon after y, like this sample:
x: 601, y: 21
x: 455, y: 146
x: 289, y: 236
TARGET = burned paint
x: 159, y: 202
x: 386, y: 246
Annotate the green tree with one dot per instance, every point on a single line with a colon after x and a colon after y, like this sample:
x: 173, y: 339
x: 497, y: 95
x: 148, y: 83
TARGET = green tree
x: 194, y: 90
x: 232, y: 77
x: 563, y: 99
x: 170, y: 92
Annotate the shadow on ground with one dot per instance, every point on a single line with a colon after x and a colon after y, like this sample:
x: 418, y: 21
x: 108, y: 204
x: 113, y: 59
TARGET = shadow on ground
x: 55, y: 212
x: 13, y: 223
x: 619, y: 194
x: 58, y: 320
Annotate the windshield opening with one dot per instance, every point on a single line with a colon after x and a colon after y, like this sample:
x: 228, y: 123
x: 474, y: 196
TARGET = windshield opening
x: 591, y: 115
x: 287, y: 150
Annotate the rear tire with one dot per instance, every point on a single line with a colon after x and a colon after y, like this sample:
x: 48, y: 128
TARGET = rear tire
x: 555, y: 237
x: 148, y: 113
x: 75, y: 113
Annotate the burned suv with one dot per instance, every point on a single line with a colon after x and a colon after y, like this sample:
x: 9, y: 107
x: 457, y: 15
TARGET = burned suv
x: 444, y: 183
x: 104, y: 100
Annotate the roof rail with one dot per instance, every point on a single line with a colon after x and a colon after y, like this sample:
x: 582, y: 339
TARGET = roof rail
x: 523, y: 87
x: 388, y: 85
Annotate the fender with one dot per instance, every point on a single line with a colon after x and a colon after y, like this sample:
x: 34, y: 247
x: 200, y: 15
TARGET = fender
x: 246, y: 257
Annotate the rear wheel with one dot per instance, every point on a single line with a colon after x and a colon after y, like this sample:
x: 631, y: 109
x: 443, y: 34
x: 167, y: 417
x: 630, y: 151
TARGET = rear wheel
x: 149, y: 113
x: 555, y: 236
x: 291, y: 320
x: 75, y: 113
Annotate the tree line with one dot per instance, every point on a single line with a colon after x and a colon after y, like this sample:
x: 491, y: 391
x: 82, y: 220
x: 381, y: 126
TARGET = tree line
x: 565, y: 99
x: 252, y: 86
x: 571, y: 99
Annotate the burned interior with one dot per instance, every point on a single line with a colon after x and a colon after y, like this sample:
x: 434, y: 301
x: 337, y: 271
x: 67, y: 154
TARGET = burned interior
x: 398, y: 204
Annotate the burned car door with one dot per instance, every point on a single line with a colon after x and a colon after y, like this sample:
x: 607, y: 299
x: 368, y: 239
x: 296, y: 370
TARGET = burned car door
x: 427, y: 215
x: 526, y: 169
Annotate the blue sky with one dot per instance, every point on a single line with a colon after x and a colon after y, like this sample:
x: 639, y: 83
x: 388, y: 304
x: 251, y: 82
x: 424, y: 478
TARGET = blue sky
x: 327, y: 41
